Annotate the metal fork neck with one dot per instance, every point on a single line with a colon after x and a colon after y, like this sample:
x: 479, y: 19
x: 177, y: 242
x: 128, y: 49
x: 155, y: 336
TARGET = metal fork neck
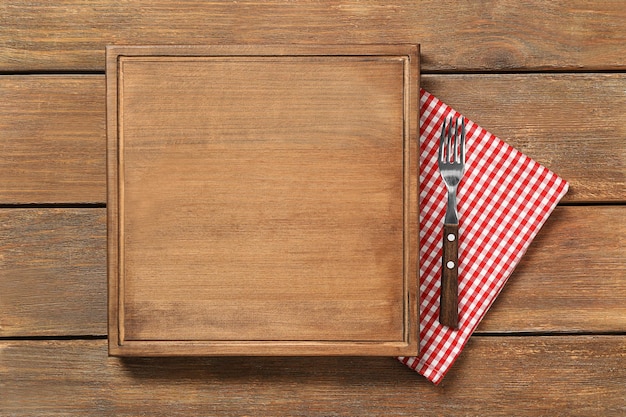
x: 452, y: 215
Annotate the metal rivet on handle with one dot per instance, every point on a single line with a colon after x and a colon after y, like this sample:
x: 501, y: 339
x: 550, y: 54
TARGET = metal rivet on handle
x: 450, y: 264
x: 451, y: 237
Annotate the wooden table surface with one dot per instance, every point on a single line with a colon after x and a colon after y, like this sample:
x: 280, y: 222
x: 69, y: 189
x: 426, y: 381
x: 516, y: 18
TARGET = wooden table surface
x: 547, y: 77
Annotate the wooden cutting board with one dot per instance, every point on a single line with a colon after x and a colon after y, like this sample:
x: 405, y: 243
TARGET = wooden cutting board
x: 263, y: 200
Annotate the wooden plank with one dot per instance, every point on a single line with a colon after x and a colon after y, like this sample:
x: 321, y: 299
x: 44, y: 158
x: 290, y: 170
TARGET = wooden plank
x: 53, y: 130
x: 573, y: 277
x: 503, y: 376
x: 572, y: 124
x: 493, y: 35
x: 52, y: 139
x: 52, y: 272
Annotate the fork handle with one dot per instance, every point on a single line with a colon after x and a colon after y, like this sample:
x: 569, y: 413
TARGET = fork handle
x: 449, y: 305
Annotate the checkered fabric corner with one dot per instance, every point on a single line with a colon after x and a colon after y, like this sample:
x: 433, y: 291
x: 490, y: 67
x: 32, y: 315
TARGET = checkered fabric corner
x: 504, y: 198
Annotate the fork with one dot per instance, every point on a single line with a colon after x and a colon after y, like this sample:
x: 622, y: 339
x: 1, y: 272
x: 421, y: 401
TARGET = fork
x: 451, y: 166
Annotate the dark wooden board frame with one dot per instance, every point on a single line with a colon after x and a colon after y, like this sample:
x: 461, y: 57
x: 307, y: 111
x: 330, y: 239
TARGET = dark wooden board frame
x: 122, y: 345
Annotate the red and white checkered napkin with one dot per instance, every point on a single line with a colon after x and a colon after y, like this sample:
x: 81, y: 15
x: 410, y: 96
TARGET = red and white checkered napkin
x: 503, y: 199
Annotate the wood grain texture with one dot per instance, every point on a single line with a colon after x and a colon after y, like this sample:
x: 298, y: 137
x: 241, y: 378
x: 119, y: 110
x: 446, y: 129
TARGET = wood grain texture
x: 490, y: 35
x: 572, y: 275
x: 52, y: 272
x: 576, y: 265
x: 572, y: 124
x: 52, y: 143
x: 52, y: 139
x: 449, y: 293
x: 53, y: 130
x: 499, y: 376
x: 263, y: 200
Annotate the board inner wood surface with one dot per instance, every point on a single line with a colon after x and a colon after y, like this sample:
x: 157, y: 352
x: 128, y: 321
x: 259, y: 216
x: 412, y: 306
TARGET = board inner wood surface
x: 263, y: 204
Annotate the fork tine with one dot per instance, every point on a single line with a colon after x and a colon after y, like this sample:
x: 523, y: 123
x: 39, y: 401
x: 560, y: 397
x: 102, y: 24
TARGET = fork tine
x: 462, y: 142
x: 454, y: 142
x: 448, y: 144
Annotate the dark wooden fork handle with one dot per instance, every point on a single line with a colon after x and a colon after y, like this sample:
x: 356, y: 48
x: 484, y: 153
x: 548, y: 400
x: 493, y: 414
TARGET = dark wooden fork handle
x: 449, y: 304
